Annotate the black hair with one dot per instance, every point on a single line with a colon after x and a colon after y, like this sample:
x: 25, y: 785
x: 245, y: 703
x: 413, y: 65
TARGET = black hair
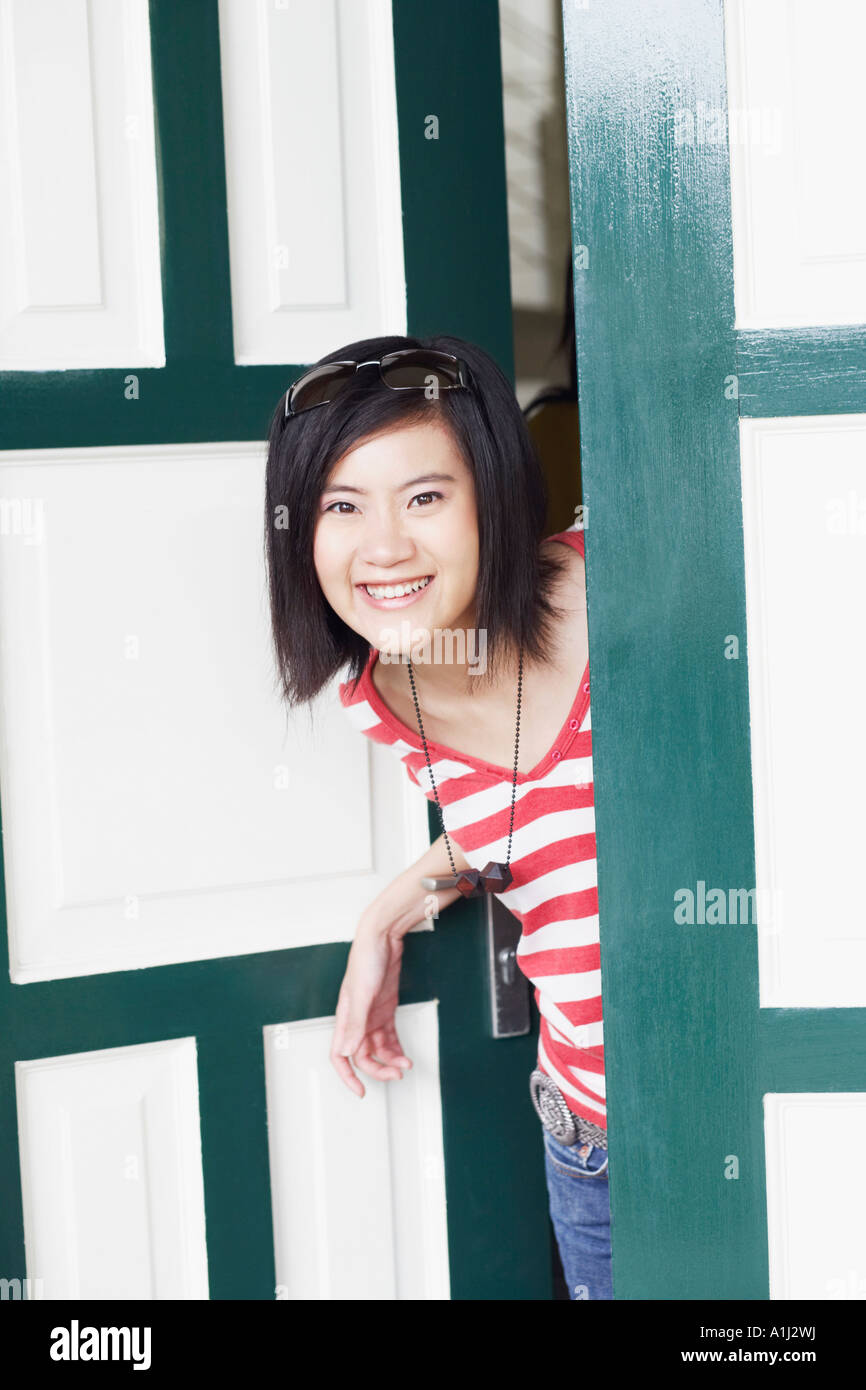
x: 512, y: 601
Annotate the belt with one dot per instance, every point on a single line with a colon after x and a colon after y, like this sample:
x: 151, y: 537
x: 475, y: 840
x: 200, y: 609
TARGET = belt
x: 554, y: 1114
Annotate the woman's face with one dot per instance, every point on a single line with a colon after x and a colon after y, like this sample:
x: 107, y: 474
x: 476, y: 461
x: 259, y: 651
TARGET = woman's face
x: 399, y: 510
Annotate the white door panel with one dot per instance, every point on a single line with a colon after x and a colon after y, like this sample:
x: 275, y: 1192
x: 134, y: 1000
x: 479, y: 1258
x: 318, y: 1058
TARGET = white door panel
x: 158, y: 805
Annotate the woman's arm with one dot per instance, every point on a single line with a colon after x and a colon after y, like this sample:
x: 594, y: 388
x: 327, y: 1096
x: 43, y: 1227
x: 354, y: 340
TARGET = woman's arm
x: 364, y: 1028
x: 403, y: 904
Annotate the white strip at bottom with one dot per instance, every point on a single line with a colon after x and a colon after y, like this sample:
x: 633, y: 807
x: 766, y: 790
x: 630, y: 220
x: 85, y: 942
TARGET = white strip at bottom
x: 816, y: 1205
x: 358, y: 1184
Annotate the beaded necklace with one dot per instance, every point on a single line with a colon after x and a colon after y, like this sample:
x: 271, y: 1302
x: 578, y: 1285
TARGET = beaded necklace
x: 474, y: 883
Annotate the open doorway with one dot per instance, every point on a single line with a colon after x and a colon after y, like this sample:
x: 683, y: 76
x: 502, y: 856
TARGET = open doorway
x: 539, y: 236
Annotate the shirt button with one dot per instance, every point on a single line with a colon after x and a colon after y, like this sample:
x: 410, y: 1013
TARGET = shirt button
x: 585, y: 687
x: 572, y: 723
x: 556, y: 755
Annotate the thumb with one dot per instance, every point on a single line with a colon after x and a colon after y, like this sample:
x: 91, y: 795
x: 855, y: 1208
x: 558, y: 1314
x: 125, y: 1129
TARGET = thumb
x: 353, y: 1010
x: 351, y: 1024
x: 352, y: 1033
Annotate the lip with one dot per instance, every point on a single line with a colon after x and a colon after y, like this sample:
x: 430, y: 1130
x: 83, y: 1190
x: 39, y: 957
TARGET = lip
x: 403, y: 602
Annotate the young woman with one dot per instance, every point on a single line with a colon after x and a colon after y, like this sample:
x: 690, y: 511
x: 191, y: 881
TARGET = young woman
x: 404, y: 536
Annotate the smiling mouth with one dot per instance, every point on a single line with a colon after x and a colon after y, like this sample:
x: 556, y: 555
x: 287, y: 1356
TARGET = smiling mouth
x: 411, y: 586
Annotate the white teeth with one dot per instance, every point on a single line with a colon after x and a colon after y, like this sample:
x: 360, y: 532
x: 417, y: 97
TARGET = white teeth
x: 396, y: 590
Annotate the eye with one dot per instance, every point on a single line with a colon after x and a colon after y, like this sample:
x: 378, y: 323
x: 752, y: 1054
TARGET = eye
x: 431, y: 496
x: 334, y: 505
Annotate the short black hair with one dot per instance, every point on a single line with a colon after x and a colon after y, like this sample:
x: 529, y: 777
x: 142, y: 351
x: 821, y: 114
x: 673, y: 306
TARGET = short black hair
x: 311, y: 642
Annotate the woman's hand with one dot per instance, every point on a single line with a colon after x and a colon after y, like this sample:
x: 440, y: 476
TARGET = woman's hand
x: 365, y: 1028
x: 370, y: 991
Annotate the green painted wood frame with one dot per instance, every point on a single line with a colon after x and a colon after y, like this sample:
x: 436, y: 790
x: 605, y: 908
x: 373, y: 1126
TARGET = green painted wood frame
x: 456, y: 256
x: 689, y: 1053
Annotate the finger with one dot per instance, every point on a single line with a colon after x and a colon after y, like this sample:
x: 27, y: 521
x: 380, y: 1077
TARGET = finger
x: 386, y: 1046
x: 347, y: 1038
x: 366, y: 1062
x: 343, y: 1068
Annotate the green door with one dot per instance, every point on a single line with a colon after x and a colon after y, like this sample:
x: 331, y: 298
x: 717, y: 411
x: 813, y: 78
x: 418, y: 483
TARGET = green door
x: 703, y: 1066
x: 456, y: 260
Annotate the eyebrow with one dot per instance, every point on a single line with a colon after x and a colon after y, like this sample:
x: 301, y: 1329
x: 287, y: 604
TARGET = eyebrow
x: 413, y: 482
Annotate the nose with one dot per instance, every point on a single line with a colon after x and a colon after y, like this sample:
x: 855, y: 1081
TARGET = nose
x: 384, y: 541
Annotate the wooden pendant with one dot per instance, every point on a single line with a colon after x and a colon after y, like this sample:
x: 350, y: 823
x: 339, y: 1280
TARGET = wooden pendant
x: 474, y: 883
x: 495, y: 878
x: 468, y: 883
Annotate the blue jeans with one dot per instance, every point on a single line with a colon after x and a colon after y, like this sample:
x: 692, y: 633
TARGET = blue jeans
x: 579, y: 1193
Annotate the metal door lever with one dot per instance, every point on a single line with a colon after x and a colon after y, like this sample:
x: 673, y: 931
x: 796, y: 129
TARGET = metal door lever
x: 438, y: 885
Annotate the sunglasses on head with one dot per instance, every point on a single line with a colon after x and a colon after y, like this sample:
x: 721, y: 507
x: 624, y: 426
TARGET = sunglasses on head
x: 410, y: 369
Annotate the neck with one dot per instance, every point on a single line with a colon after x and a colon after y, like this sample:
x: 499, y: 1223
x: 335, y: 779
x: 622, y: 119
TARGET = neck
x: 443, y: 661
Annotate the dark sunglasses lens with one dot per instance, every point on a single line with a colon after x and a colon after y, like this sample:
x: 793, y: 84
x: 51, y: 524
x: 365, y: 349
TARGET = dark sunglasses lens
x: 320, y: 385
x: 418, y: 369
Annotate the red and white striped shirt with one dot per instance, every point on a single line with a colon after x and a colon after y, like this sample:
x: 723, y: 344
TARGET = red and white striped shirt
x: 554, y: 889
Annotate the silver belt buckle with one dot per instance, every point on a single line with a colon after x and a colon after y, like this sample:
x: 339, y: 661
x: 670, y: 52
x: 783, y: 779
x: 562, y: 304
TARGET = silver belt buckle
x: 556, y: 1117
x: 551, y: 1109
